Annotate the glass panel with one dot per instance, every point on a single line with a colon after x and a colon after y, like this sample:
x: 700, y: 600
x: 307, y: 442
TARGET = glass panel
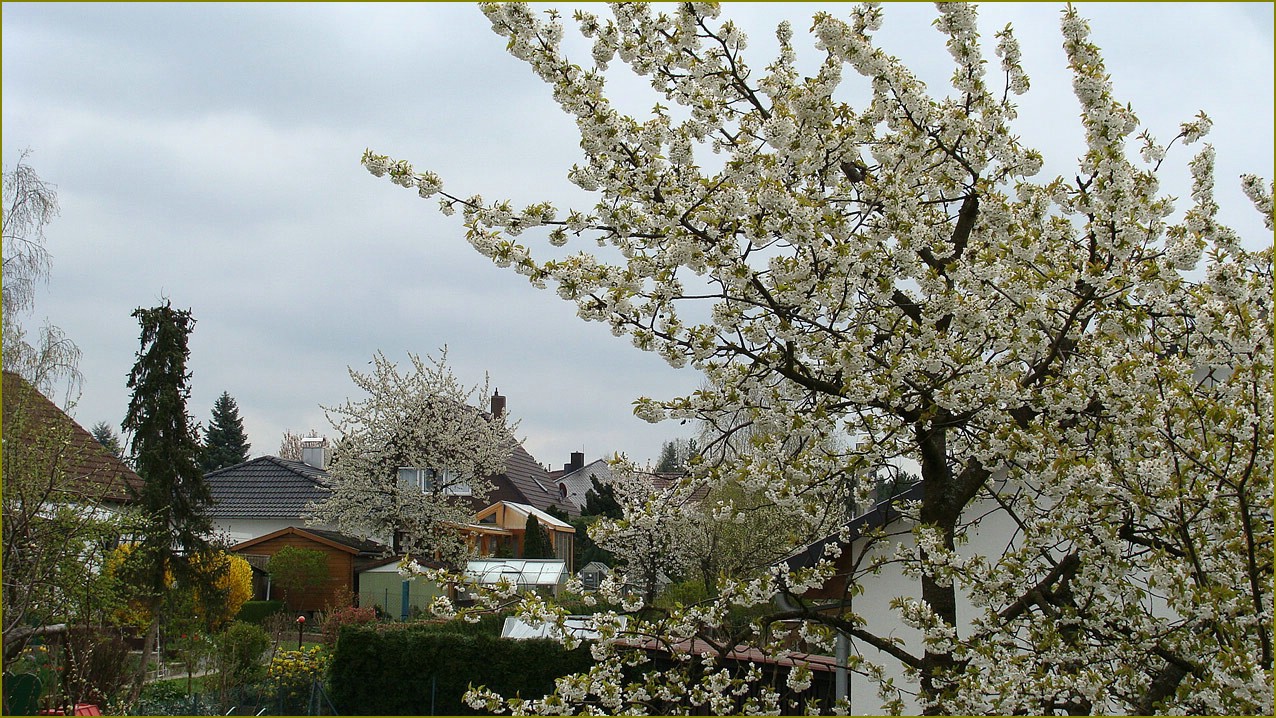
x: 408, y: 476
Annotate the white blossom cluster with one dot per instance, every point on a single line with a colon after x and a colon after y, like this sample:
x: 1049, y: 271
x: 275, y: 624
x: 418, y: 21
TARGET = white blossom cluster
x: 884, y: 279
x: 423, y: 420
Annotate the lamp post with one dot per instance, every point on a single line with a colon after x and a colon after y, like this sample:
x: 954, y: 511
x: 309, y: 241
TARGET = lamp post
x: 301, y: 626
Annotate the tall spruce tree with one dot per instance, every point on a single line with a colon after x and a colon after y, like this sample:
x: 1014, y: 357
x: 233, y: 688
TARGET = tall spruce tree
x: 225, y: 443
x: 165, y: 451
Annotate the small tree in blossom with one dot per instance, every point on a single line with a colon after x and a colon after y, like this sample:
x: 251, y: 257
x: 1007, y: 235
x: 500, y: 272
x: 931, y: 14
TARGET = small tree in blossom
x: 888, y: 282
x: 410, y: 455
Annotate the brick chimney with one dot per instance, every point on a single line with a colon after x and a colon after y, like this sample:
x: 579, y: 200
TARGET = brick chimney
x: 578, y: 462
x: 498, y: 404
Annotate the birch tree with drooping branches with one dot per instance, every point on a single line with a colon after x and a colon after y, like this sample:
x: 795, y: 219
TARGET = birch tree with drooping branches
x: 878, y: 280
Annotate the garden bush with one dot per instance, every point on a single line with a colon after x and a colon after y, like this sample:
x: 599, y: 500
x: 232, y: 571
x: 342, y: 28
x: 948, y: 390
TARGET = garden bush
x: 240, y: 648
x: 487, y: 625
x: 258, y: 611
x: 346, y: 616
x: 419, y: 670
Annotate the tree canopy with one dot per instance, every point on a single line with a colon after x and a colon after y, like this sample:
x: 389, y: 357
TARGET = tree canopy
x: 298, y: 570
x: 410, y: 455
x: 106, y: 436
x: 1077, y: 363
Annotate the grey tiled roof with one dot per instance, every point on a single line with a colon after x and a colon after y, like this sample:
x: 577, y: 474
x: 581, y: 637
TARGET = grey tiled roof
x: 580, y: 481
x: 265, y: 488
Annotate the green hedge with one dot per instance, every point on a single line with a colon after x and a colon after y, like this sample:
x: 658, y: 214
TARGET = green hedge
x: 487, y: 625
x: 420, y: 671
x: 258, y: 611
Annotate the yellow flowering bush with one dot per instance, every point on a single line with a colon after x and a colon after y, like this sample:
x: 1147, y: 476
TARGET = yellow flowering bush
x: 236, y: 580
x: 234, y: 584
x: 292, y: 672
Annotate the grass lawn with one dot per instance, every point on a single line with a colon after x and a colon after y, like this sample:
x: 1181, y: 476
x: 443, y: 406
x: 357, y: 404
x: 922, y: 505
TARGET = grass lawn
x: 172, y: 686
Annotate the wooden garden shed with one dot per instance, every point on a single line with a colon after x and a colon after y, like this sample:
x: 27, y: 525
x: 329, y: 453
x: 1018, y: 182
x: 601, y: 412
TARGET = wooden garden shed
x: 346, y: 556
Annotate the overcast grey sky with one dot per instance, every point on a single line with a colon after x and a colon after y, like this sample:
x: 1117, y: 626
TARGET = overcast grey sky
x: 209, y: 154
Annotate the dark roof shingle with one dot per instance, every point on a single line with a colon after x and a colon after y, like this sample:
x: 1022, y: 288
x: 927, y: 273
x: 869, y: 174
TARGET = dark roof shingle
x: 531, y: 482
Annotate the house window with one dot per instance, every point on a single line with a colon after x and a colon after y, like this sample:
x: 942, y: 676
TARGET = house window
x: 426, y: 480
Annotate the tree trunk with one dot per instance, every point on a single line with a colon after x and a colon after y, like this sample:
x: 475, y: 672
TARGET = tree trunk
x: 940, y: 509
x: 148, y: 647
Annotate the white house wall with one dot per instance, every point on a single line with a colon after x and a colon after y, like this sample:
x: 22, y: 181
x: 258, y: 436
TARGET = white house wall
x: 991, y: 537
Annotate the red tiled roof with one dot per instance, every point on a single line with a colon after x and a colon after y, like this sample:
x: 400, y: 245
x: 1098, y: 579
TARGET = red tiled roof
x: 29, y: 416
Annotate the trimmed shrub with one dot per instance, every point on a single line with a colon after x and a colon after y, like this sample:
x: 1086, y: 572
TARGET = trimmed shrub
x: 487, y: 625
x: 258, y: 611
x: 418, y: 671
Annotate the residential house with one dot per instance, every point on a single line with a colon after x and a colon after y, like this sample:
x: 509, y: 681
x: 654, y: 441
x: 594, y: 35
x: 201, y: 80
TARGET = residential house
x: 264, y: 495
x: 575, y: 479
x: 51, y: 465
x: 346, y: 556
x: 511, y: 517
x: 872, y: 599
x: 84, y: 465
x: 269, y: 493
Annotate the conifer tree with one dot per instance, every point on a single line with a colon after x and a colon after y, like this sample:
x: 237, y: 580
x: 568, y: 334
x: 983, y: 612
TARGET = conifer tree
x: 536, y: 541
x: 600, y: 500
x: 165, y: 451
x: 225, y: 443
x: 106, y: 436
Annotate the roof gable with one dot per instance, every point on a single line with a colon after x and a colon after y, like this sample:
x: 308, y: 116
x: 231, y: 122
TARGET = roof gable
x: 579, y: 482
x: 88, y: 466
x: 522, y: 511
x: 880, y: 515
x: 332, y: 539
